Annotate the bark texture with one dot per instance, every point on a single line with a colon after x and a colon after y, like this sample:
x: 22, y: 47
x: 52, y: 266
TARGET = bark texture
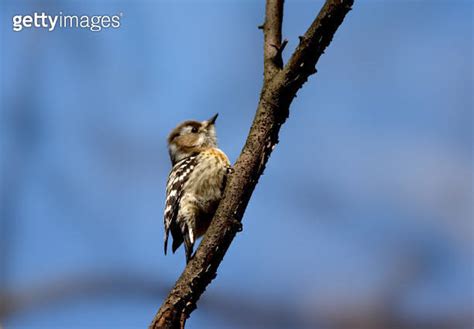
x: 279, y: 88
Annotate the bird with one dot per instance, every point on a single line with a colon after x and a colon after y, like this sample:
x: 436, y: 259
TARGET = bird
x: 195, y: 183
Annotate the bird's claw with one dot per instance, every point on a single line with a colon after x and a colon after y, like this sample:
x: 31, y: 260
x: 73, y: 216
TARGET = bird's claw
x: 237, y: 225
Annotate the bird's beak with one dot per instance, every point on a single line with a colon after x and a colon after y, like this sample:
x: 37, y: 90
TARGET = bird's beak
x: 212, y: 120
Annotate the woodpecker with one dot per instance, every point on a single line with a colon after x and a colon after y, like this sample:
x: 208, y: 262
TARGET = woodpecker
x: 195, y: 184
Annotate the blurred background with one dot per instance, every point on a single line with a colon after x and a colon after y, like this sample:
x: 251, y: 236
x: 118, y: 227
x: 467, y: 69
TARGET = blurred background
x: 363, y: 219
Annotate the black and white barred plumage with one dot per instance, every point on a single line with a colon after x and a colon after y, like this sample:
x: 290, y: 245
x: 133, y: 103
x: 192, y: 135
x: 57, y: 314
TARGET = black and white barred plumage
x: 174, y: 191
x: 195, y: 183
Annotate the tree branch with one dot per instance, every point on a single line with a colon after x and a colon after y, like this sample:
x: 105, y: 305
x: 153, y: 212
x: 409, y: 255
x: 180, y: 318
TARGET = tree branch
x: 19, y: 302
x: 279, y: 89
x: 272, y: 46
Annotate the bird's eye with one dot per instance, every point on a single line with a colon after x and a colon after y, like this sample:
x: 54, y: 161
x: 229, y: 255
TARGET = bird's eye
x: 194, y: 130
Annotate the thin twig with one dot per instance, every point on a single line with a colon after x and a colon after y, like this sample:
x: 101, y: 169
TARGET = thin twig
x: 272, y: 38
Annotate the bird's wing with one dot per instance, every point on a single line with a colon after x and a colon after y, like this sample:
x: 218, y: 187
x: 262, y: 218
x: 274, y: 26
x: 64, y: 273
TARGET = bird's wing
x: 174, y: 190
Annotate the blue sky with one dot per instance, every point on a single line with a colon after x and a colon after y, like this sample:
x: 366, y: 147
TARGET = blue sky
x: 366, y: 200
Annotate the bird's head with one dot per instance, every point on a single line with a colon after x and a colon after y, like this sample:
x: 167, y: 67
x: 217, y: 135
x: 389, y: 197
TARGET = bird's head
x: 191, y: 137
